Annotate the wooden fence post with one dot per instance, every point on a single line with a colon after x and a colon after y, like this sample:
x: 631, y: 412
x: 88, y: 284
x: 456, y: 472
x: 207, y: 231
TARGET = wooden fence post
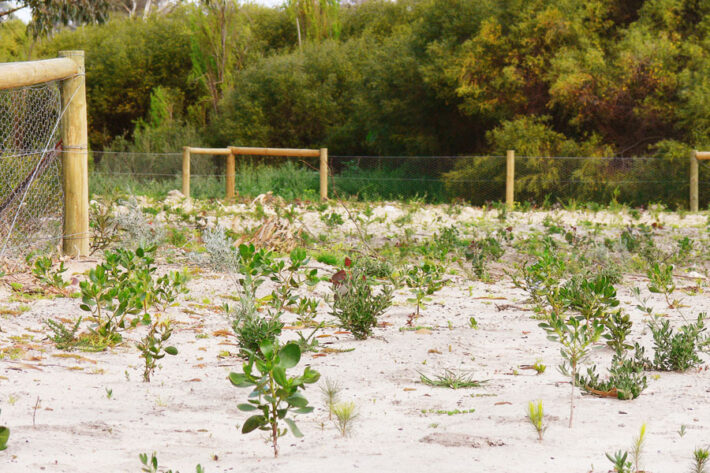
x: 324, y: 173
x: 510, y: 179
x: 231, y: 171
x: 75, y: 164
x: 693, y: 181
x: 186, y: 171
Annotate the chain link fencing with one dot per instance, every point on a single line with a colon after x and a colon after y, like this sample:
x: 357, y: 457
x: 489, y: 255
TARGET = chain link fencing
x: 31, y: 196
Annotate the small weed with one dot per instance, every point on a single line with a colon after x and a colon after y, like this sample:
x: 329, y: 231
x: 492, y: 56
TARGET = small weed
x: 451, y: 379
x: 701, y: 457
x: 536, y: 416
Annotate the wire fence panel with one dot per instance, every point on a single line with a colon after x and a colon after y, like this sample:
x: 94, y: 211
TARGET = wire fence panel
x: 474, y: 179
x: 31, y: 196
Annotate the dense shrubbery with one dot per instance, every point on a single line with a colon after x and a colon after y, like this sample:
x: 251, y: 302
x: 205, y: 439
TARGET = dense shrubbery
x: 416, y: 77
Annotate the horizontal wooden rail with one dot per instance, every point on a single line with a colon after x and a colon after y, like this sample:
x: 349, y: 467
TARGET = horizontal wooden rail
x: 214, y: 151
x: 22, y: 74
x: 242, y: 151
x: 298, y: 153
x: 702, y: 155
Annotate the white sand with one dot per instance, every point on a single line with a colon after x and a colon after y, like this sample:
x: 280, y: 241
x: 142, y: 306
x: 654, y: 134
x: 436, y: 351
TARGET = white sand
x: 188, y: 413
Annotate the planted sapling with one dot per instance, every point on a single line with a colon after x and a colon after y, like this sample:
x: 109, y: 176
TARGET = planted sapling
x: 152, y: 347
x: 451, y: 379
x: 424, y: 280
x: 354, y: 304
x: 576, y: 339
x: 701, y: 458
x: 274, y: 394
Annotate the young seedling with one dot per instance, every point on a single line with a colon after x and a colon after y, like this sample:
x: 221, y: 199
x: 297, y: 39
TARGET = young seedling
x: 701, y: 457
x: 536, y: 416
x: 576, y: 339
x: 424, y: 280
x: 451, y: 379
x: 345, y: 415
x: 331, y: 395
x: 660, y: 281
x: 152, y: 347
x: 619, y: 459
x: 637, y: 448
x: 150, y: 465
x: 274, y: 394
x: 44, y: 273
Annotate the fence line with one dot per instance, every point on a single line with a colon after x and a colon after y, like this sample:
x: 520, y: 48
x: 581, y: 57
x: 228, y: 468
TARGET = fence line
x: 476, y: 178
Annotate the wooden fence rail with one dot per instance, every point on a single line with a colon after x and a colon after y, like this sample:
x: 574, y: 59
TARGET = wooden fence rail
x: 233, y: 151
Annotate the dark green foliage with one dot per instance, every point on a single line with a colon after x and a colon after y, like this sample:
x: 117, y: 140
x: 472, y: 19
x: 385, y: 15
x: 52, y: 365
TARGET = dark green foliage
x: 356, y: 306
x: 678, y: 350
x: 43, y: 271
x: 591, y: 297
x: 616, y: 329
x: 626, y: 379
x: 254, y: 329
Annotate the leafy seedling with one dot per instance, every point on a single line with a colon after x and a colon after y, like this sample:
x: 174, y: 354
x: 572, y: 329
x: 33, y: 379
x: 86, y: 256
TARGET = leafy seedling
x: 345, y: 414
x: 274, y: 394
x: 576, y: 339
x: 152, y: 347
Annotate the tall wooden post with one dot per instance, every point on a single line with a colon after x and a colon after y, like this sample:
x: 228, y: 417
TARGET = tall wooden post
x: 324, y: 173
x: 186, y: 171
x: 75, y: 167
x: 231, y: 171
x: 693, y: 181
x: 510, y: 179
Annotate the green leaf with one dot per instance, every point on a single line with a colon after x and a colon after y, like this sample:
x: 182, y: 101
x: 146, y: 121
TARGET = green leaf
x: 297, y: 433
x: 239, y: 380
x: 297, y: 400
x: 310, y: 375
x: 267, y: 348
x: 171, y: 350
x: 4, y: 436
x: 289, y: 356
x: 252, y: 423
x: 245, y: 407
x: 279, y: 374
x: 304, y: 410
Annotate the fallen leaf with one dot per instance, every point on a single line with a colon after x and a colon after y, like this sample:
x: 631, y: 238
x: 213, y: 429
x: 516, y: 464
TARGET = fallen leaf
x: 423, y: 331
x: 409, y: 389
x: 503, y: 403
x: 434, y: 351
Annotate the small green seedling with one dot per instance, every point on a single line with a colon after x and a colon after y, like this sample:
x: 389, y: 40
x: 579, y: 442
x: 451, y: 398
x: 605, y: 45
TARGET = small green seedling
x: 150, y: 465
x: 701, y: 457
x: 331, y: 394
x: 345, y: 415
x: 152, y: 347
x: 43, y: 272
x: 424, y: 280
x: 536, y: 416
x: 576, y: 339
x: 274, y: 394
x: 619, y: 459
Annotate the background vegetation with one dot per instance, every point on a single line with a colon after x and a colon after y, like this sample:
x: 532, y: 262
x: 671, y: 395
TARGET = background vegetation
x: 602, y: 78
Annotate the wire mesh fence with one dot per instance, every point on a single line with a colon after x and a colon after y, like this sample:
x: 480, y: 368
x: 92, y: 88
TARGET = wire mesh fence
x: 31, y: 195
x: 437, y: 179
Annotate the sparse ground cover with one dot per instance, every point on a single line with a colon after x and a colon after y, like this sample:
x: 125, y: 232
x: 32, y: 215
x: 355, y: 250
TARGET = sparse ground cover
x: 446, y: 338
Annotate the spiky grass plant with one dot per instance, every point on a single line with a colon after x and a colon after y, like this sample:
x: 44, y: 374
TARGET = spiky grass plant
x: 701, y: 457
x: 451, y: 379
x: 331, y: 394
x: 536, y: 416
x: 345, y: 415
x: 637, y: 448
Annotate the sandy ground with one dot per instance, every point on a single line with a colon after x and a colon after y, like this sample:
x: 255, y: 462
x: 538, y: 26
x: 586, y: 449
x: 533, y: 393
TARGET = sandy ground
x: 63, y: 420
